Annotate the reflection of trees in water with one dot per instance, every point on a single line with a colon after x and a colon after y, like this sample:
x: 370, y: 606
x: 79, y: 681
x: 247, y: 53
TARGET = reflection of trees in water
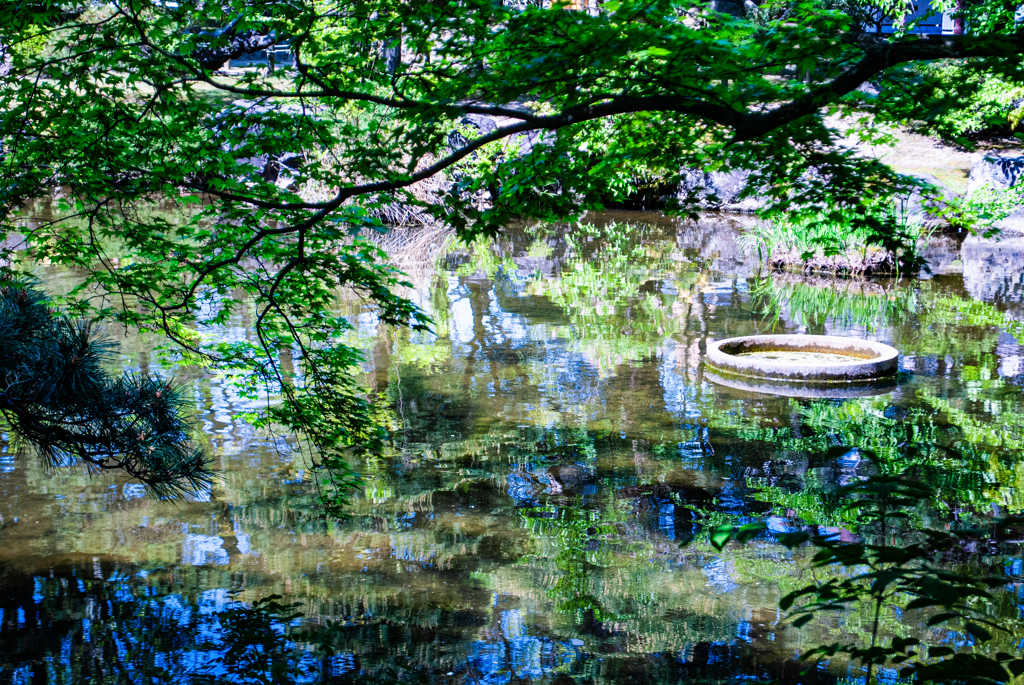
x: 68, y: 628
x: 960, y: 428
x: 527, y: 522
x: 447, y: 620
x: 649, y: 595
x: 118, y: 627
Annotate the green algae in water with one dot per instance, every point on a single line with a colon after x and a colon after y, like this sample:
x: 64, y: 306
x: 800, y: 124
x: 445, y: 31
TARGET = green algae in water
x: 800, y: 357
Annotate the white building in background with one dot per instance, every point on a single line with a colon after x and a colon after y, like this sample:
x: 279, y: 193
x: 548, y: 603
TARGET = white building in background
x: 941, y: 23
x: 937, y: 23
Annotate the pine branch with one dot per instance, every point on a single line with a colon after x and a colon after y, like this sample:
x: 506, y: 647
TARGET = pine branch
x: 55, y: 394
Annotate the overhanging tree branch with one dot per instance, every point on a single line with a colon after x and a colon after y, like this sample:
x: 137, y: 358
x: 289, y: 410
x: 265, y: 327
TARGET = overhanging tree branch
x: 879, y: 56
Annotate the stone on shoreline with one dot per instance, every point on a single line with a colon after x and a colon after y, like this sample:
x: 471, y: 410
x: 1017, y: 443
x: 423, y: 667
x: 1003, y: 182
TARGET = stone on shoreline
x: 917, y: 208
x: 1000, y: 173
x: 870, y: 261
x: 718, y: 190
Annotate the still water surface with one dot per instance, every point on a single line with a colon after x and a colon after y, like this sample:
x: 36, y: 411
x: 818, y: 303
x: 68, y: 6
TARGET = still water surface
x: 797, y: 357
x: 555, y: 445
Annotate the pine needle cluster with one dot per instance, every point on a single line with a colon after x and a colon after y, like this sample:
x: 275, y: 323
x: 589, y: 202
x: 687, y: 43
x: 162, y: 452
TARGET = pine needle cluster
x: 56, y: 395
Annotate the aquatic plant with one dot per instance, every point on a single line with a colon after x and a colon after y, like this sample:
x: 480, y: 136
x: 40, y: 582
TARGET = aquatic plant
x: 897, y: 566
x: 882, y: 307
x: 816, y: 301
x: 829, y: 244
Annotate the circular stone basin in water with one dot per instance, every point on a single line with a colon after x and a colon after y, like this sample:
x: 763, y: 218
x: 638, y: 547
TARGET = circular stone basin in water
x: 804, y: 358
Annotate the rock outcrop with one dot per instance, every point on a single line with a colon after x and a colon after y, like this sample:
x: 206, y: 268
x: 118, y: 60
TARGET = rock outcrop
x: 718, y: 190
x: 282, y: 169
x: 919, y: 208
x: 999, y: 173
x: 484, y: 124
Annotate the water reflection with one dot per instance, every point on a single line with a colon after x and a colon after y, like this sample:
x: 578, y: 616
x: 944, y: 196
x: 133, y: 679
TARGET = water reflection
x: 556, y: 440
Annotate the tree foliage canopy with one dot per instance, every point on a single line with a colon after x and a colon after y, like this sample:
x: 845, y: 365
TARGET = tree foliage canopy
x: 277, y: 177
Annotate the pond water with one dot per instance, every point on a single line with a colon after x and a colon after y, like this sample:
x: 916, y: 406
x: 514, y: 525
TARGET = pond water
x: 798, y: 357
x: 555, y: 446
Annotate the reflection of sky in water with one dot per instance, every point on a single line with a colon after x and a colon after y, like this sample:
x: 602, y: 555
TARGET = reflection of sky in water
x: 682, y: 395
x: 462, y: 320
x: 526, y: 483
x: 720, y: 576
x: 667, y: 520
x: 500, y: 327
x: 411, y: 547
x: 519, y: 656
x: 6, y: 458
x: 340, y: 664
x: 134, y: 490
x: 241, y: 539
x: 567, y: 379
x: 199, y: 550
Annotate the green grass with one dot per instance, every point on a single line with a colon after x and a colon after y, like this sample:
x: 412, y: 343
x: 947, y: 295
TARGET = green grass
x: 818, y: 244
x: 779, y: 235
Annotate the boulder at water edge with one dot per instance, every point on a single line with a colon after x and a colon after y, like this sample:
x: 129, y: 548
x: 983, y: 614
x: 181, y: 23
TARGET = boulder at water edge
x: 999, y: 173
x: 719, y: 190
x: 919, y: 208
